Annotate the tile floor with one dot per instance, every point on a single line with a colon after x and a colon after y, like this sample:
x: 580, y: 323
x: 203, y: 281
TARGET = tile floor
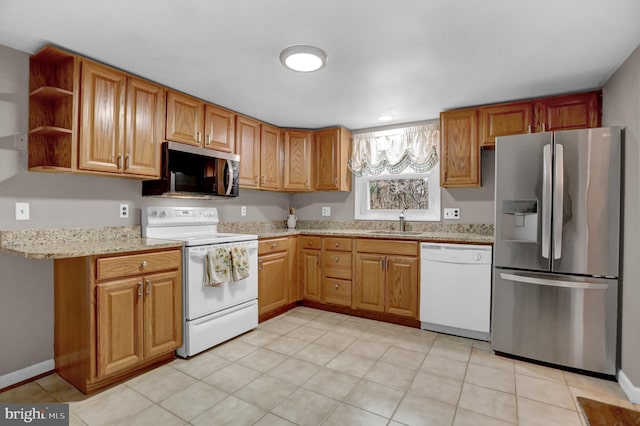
x: 310, y: 367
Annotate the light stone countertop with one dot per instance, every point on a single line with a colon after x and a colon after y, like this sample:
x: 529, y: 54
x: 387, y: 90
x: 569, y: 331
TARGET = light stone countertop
x: 78, y: 242
x: 427, y: 236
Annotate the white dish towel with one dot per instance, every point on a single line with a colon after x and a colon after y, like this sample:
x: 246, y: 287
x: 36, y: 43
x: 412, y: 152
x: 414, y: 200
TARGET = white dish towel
x: 217, y: 266
x: 239, y: 263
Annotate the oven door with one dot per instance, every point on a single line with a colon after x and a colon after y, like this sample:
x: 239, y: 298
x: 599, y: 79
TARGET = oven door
x: 201, y: 300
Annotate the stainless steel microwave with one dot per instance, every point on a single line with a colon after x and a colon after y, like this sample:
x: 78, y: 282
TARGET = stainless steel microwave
x: 193, y: 172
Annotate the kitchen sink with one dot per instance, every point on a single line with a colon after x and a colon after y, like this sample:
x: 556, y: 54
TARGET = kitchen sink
x: 382, y: 232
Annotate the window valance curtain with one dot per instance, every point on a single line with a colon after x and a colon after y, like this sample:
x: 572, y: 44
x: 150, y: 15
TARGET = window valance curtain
x: 395, y: 150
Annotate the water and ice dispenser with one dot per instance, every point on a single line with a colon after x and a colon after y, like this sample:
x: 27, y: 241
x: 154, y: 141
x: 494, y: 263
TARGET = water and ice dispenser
x: 520, y: 220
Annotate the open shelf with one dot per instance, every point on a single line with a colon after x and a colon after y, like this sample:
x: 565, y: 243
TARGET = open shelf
x: 50, y: 131
x: 50, y: 93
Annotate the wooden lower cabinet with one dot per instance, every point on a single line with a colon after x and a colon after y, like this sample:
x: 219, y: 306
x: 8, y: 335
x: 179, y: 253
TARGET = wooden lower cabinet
x: 311, y: 274
x: 385, y: 277
x: 277, y: 262
x: 107, y: 329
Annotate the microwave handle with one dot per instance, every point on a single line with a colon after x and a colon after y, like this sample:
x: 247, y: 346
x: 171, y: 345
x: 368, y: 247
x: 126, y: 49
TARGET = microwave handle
x: 230, y: 180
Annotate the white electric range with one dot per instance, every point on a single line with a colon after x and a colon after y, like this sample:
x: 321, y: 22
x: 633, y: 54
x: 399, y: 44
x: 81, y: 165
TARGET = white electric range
x: 212, y: 314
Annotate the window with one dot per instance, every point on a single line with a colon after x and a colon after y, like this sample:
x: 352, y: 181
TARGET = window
x: 382, y: 197
x: 397, y: 170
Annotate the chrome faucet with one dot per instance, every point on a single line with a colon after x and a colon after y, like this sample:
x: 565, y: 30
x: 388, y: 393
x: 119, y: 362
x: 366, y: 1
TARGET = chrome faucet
x: 401, y: 217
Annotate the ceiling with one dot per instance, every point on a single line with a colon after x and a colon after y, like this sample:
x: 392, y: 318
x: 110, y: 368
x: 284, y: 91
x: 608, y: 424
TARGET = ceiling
x: 410, y: 58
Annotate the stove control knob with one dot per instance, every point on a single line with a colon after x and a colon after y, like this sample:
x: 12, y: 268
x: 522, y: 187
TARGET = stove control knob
x: 154, y: 213
x: 163, y: 213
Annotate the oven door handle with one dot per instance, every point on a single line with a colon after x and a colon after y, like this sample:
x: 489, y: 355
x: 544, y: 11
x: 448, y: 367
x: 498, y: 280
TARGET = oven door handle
x: 229, y: 177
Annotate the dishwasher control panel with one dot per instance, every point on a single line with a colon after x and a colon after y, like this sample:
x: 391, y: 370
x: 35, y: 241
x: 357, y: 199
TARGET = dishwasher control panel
x: 456, y: 253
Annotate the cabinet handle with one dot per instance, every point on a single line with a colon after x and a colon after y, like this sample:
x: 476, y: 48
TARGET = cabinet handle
x: 387, y: 267
x: 310, y: 242
x: 337, y: 285
x: 337, y: 244
x: 335, y: 181
x: 543, y: 127
x: 127, y: 161
x: 382, y: 263
x: 259, y: 266
x: 208, y: 139
x: 140, y: 288
x: 337, y: 259
x: 144, y: 264
x: 256, y: 179
x: 119, y: 161
x: 317, y: 259
x: 148, y: 289
x: 262, y: 180
x: 274, y: 245
x: 198, y: 136
x: 529, y: 128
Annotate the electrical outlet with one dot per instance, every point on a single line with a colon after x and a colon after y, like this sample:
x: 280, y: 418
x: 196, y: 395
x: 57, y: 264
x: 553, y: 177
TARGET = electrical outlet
x: 326, y: 211
x: 243, y: 211
x: 453, y: 213
x: 124, y: 210
x: 20, y: 141
x: 22, y: 211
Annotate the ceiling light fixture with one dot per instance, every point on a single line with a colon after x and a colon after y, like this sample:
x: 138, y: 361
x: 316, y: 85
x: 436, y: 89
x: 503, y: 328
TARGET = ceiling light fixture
x: 303, y: 58
x: 385, y: 117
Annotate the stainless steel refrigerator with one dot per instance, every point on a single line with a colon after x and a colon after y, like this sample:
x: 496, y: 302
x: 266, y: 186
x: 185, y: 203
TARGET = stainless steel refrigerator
x: 557, y: 228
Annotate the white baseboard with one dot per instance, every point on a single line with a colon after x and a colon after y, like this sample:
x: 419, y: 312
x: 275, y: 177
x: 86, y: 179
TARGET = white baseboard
x: 633, y: 392
x: 26, y: 373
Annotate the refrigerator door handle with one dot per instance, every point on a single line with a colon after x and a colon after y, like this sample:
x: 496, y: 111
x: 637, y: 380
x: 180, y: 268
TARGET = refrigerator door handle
x: 546, y: 201
x: 553, y: 283
x: 558, y: 195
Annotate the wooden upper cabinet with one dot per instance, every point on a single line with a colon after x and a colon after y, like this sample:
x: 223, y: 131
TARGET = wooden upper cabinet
x: 144, y: 127
x: 459, y: 149
x: 219, y: 128
x: 576, y: 111
x: 297, y: 160
x: 102, y: 120
x: 270, y: 157
x: 248, y: 148
x: 332, y: 150
x: 505, y: 120
x: 184, y: 119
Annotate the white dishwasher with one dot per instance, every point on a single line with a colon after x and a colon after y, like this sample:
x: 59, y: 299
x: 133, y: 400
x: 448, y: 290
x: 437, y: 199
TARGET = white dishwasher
x: 455, y: 289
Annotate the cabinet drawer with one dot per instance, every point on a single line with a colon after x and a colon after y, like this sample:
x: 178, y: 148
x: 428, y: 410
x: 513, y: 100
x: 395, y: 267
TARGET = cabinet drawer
x: 272, y: 245
x: 337, y: 292
x: 332, y: 243
x: 134, y: 264
x: 392, y: 247
x: 309, y: 242
x: 337, y: 264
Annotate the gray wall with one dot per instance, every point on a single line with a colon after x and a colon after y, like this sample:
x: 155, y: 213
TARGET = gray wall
x: 621, y: 106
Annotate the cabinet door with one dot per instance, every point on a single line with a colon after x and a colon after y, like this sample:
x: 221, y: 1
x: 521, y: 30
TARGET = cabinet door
x: 577, y: 111
x: 368, y: 282
x: 297, y: 160
x: 102, y: 119
x: 270, y: 157
x: 272, y: 281
x: 310, y: 274
x: 184, y: 119
x: 505, y: 120
x: 459, y: 150
x: 248, y: 148
x: 144, y: 127
x: 219, y: 129
x: 331, y: 154
x: 402, y: 286
x: 119, y: 325
x: 162, y: 313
